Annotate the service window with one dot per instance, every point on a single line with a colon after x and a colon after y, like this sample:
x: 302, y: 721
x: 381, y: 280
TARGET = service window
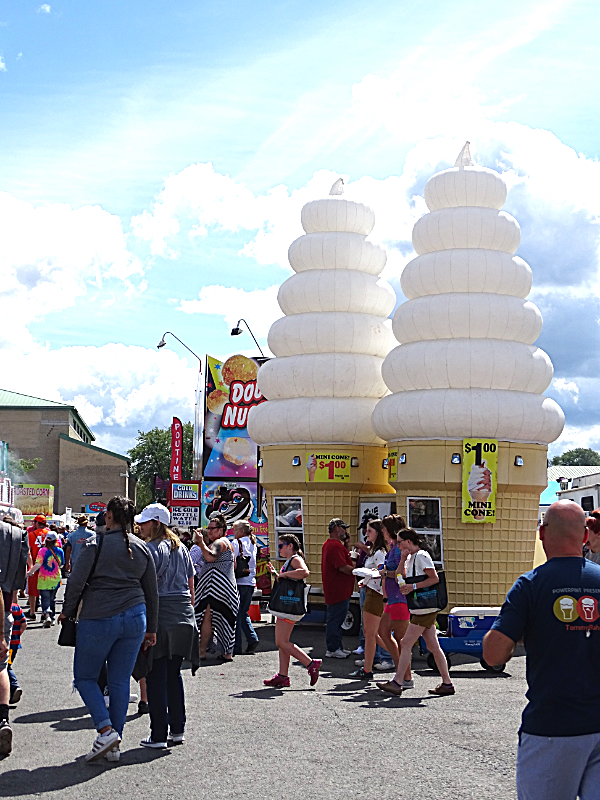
x: 424, y: 514
x: 587, y: 503
x: 287, y: 518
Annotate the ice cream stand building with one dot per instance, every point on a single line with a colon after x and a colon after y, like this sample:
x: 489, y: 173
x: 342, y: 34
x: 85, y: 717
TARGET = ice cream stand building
x: 457, y: 397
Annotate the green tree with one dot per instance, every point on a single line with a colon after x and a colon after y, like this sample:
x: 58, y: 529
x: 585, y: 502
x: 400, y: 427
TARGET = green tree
x: 579, y: 457
x: 19, y: 467
x: 151, y: 455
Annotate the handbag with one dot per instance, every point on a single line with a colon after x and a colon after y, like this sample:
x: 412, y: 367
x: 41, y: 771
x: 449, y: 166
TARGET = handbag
x: 242, y: 562
x: 434, y: 597
x: 288, y: 597
x: 68, y: 630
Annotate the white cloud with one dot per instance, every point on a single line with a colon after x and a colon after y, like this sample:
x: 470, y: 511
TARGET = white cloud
x: 52, y: 255
x: 259, y: 307
x: 2, y: 65
x: 569, y: 388
x: 44, y: 9
x: 118, y: 389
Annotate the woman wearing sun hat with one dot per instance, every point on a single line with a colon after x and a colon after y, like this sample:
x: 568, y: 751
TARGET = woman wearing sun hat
x: 176, y: 635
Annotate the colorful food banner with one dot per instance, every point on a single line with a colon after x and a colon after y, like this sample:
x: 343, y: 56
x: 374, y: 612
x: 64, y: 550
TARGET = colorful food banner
x: 480, y: 469
x: 231, y: 392
x: 176, y: 449
x: 331, y: 467
x: 35, y: 498
x: 238, y: 501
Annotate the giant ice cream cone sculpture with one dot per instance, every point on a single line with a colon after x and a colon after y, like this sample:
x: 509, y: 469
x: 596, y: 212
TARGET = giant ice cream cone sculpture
x: 467, y: 367
x: 326, y: 378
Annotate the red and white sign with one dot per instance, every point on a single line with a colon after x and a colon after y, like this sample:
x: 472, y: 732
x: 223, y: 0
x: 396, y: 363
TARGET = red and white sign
x: 97, y: 507
x: 176, y: 449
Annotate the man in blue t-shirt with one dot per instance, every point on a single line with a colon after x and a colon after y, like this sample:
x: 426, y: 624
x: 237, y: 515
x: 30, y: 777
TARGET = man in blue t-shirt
x: 554, y: 608
x: 76, y: 540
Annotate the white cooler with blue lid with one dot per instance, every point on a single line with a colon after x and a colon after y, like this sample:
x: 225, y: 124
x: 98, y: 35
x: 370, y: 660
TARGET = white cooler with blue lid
x: 464, y: 619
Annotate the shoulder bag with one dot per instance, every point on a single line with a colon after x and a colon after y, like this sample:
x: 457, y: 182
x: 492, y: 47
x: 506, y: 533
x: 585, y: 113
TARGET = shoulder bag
x: 68, y: 630
x: 242, y: 562
x: 288, y: 597
x: 434, y: 597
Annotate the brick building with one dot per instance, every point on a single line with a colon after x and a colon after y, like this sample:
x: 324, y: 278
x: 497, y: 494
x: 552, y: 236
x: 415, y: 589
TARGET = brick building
x: 56, y: 433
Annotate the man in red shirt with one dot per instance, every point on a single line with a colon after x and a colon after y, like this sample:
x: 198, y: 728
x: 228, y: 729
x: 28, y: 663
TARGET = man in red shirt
x: 338, y: 585
x: 37, y: 535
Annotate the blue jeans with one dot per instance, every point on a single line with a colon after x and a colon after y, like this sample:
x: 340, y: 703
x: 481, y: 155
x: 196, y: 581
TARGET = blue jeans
x: 243, y: 622
x: 12, y: 678
x: 380, y: 653
x: 558, y: 767
x: 336, y: 614
x: 117, y: 641
x: 48, y: 598
x: 166, y: 698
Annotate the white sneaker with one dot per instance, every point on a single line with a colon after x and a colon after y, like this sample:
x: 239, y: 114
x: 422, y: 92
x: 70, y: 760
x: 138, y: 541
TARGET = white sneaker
x: 385, y: 666
x: 102, y: 744
x: 133, y: 698
x: 348, y: 652
x: 408, y: 684
x: 113, y: 755
x: 359, y: 651
x: 175, y: 738
x: 337, y: 654
x: 360, y: 662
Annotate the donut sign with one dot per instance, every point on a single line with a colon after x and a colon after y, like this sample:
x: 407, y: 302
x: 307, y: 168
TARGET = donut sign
x: 231, y: 391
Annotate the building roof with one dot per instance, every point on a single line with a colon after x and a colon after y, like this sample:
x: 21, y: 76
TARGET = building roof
x: 94, y: 447
x: 10, y: 399
x: 561, y: 471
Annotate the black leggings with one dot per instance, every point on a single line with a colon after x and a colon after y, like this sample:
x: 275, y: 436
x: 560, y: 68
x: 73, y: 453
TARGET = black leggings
x: 165, y: 697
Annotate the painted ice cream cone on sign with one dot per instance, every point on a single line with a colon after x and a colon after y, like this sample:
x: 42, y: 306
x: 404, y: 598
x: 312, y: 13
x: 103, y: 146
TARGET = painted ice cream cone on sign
x: 479, y: 487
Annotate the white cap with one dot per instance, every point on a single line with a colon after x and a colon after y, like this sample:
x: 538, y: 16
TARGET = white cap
x: 154, y: 511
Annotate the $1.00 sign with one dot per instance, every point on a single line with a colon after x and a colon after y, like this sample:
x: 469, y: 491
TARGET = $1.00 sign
x: 328, y: 467
x: 480, y: 470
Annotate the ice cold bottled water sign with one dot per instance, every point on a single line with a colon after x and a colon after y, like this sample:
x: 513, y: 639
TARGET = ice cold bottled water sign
x: 185, y: 516
x: 480, y: 469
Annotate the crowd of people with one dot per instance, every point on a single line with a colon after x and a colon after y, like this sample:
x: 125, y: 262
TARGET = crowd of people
x: 139, y: 603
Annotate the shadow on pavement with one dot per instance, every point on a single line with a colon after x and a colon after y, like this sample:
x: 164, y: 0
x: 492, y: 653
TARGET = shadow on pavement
x: 66, y: 719
x: 267, y: 694
x: 18, y: 782
x: 53, y: 716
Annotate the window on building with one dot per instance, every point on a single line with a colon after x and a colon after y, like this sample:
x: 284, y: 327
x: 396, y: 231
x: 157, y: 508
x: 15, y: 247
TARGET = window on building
x: 288, y: 518
x: 587, y: 503
x: 425, y: 516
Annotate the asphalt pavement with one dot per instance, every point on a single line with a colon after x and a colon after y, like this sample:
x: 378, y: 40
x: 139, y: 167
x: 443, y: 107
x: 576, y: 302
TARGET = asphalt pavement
x: 343, y: 739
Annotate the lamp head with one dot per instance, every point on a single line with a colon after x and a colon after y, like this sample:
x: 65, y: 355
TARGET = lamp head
x: 236, y: 331
x: 162, y: 343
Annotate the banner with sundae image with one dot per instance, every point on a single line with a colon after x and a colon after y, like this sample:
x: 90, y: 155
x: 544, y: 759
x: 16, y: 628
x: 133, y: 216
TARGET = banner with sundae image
x: 230, y: 393
x: 480, y: 469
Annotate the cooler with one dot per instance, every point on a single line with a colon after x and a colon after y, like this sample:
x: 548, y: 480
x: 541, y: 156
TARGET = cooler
x: 469, y: 620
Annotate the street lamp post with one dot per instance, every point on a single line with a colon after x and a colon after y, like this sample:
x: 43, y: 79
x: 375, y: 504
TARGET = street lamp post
x: 162, y: 343
x: 237, y: 330
x: 199, y: 410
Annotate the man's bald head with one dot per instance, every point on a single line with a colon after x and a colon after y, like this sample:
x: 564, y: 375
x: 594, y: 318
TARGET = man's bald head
x: 564, y: 528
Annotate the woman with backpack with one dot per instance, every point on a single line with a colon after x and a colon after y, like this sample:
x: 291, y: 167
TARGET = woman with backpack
x: 245, y: 550
x: 113, y: 585
x: 294, y: 568
x: 422, y: 621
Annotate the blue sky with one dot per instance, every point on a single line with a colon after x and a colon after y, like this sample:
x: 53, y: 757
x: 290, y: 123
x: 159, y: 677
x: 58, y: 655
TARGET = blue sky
x: 113, y: 234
